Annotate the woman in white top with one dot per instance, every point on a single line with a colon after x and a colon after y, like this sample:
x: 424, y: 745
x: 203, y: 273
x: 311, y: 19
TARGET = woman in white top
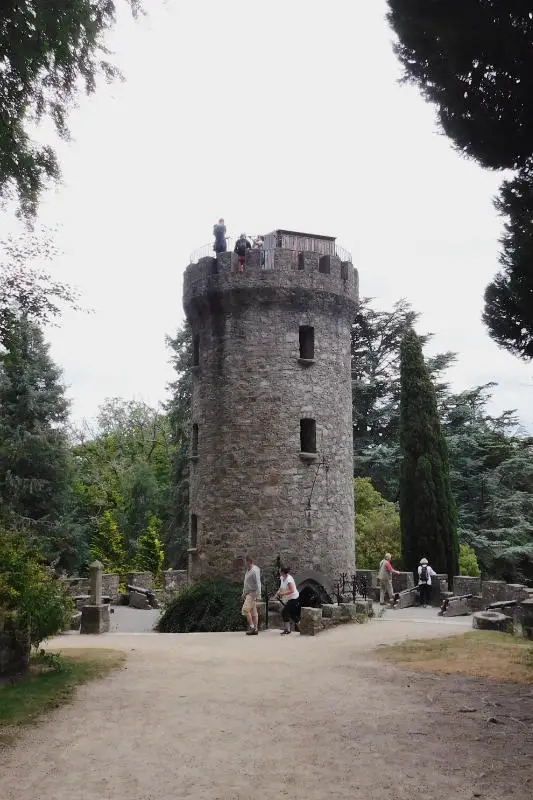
x: 289, y: 596
x: 425, y: 573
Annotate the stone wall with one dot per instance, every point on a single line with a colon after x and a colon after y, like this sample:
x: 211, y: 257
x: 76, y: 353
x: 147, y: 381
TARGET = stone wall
x: 174, y: 580
x: 315, y: 620
x: 464, y: 584
x: 143, y: 579
x: 251, y: 488
x: 110, y: 586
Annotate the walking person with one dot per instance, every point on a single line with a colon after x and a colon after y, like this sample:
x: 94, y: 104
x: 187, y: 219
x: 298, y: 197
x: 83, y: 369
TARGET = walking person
x: 385, y: 573
x: 425, y: 574
x: 251, y: 593
x: 219, y: 232
x: 290, y: 598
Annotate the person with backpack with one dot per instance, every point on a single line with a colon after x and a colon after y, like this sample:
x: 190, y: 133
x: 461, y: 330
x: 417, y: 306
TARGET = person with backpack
x: 241, y: 246
x: 385, y: 573
x: 425, y: 573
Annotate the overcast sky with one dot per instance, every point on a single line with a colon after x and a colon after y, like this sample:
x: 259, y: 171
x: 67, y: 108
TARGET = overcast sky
x: 279, y: 114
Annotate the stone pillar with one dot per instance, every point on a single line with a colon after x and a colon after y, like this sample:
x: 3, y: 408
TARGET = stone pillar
x: 95, y: 581
x: 95, y: 617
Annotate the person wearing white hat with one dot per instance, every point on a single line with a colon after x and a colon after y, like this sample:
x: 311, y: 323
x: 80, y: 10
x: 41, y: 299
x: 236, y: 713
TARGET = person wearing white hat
x: 425, y: 573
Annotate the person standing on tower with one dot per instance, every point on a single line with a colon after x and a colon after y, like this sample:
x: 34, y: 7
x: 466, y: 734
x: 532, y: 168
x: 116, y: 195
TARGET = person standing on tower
x: 251, y: 593
x: 219, y: 232
x: 241, y: 246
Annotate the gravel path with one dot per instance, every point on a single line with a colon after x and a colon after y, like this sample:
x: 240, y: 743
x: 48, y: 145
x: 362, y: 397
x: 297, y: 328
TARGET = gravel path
x: 229, y: 717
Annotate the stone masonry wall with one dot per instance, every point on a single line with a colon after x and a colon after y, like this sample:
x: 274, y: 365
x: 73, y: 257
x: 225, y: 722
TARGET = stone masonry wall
x: 249, y: 488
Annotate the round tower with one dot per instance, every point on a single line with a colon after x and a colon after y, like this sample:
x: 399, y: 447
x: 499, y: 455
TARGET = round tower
x: 271, y: 463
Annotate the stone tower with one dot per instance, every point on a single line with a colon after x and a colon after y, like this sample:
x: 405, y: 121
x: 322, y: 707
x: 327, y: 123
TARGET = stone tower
x: 271, y: 468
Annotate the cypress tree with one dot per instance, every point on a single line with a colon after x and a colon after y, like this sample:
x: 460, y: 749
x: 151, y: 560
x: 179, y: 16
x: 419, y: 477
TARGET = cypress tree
x: 427, y: 508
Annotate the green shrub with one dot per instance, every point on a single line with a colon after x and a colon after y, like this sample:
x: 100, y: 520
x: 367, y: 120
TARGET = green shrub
x: 150, y: 553
x: 210, y: 605
x: 29, y: 591
x: 377, y: 526
x: 468, y: 564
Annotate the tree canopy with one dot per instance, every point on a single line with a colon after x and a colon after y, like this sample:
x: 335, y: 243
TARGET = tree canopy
x: 472, y: 58
x: 427, y: 508
x: 49, y: 51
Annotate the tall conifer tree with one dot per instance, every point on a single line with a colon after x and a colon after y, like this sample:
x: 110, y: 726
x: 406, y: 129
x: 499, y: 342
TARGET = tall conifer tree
x: 427, y: 508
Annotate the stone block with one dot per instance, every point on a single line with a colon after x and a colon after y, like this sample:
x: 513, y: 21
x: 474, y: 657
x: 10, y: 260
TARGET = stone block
x: 327, y: 610
x: 110, y: 585
x: 492, y: 591
x: 404, y: 580
x: 350, y: 610
x: 465, y: 584
x: 95, y: 619
x: 311, y: 621
x: 458, y: 607
x: 174, y: 580
x: 139, y: 601
x: 524, y: 619
x: 492, y: 621
x: 143, y: 579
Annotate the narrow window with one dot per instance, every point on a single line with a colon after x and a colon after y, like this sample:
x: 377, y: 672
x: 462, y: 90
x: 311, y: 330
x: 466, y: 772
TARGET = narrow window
x: 308, y: 436
x: 324, y: 265
x: 307, y: 342
x: 195, y: 350
x: 301, y: 263
x: 194, y: 531
x: 194, y: 447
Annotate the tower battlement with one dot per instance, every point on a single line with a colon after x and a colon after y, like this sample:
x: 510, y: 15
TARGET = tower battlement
x: 283, y: 271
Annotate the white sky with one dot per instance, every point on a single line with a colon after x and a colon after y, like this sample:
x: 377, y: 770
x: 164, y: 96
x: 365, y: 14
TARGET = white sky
x: 286, y: 114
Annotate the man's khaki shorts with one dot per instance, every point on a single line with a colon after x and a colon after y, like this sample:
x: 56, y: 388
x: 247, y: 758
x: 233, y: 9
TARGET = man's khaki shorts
x: 250, y: 603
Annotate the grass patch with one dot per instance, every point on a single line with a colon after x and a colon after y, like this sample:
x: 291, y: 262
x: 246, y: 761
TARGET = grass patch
x: 51, y: 682
x: 483, y: 654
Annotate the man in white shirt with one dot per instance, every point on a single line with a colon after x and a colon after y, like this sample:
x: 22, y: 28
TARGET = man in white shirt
x: 425, y: 573
x: 289, y: 596
x: 251, y: 592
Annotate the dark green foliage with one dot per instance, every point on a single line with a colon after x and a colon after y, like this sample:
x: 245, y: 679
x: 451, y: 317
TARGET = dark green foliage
x: 179, y: 415
x: 34, y: 455
x: 208, y: 606
x: 427, y: 509
x: 472, y: 58
x: 107, y: 545
x: 509, y: 298
x: 376, y: 340
x: 48, y: 51
x: 29, y: 591
x: 150, y: 554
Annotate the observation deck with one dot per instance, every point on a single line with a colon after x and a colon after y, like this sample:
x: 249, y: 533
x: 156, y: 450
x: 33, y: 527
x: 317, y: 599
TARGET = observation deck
x: 291, y: 264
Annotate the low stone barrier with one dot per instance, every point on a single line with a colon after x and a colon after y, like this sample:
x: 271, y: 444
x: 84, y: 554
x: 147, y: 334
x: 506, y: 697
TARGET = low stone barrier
x: 174, y: 580
x: 315, y: 620
x: 143, y: 579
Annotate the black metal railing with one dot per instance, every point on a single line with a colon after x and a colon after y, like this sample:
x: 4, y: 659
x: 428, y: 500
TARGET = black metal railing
x: 350, y: 585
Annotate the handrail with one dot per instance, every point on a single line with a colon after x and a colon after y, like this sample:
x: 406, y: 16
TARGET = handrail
x: 206, y: 251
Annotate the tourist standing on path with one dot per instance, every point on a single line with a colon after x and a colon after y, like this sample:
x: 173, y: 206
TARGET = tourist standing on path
x: 251, y: 593
x: 219, y: 232
x: 386, y: 571
x: 289, y: 596
x: 425, y: 573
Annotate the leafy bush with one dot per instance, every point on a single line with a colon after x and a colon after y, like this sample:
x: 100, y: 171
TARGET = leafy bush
x: 377, y: 526
x: 468, y: 564
x: 150, y: 554
x: 29, y: 592
x: 210, y: 605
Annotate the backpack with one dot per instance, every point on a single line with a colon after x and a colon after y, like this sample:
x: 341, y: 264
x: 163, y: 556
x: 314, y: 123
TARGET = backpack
x: 240, y: 247
x: 424, y: 574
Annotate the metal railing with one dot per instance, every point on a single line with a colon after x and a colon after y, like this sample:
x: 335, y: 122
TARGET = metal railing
x: 207, y: 250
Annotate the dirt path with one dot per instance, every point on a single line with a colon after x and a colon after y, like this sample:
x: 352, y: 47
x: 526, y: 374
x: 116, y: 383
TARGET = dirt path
x: 225, y: 717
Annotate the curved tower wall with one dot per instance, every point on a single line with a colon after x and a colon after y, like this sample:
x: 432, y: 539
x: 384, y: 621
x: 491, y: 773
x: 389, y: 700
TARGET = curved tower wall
x: 252, y: 489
